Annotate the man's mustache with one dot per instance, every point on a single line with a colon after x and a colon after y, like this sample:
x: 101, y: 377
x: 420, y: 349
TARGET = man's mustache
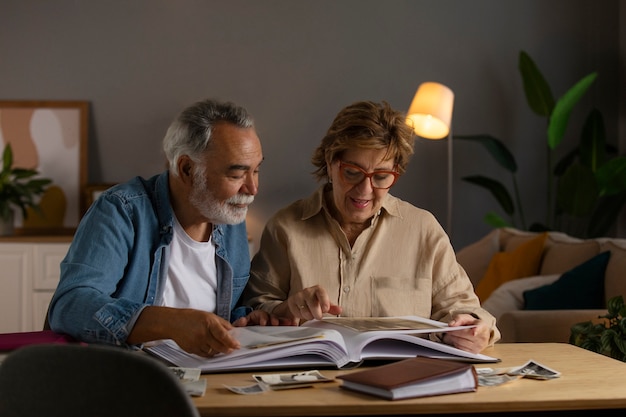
x: 241, y: 199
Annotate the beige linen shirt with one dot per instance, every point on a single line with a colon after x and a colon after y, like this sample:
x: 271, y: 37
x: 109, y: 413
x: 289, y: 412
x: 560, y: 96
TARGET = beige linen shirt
x: 402, y: 264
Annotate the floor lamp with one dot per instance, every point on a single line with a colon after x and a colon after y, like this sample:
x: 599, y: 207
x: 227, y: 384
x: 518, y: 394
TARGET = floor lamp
x: 430, y: 116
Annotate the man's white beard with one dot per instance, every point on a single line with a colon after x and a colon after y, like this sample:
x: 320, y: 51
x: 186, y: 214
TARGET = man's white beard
x: 203, y: 199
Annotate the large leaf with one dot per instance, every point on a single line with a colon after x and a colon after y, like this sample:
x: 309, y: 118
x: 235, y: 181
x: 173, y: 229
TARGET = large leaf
x: 496, y: 148
x: 611, y: 176
x: 538, y: 93
x: 577, y: 191
x: 497, y: 190
x: 495, y: 221
x: 7, y: 159
x: 20, y: 173
x: 38, y: 184
x: 592, y: 141
x: 563, y: 108
x: 614, y: 305
x: 613, y: 345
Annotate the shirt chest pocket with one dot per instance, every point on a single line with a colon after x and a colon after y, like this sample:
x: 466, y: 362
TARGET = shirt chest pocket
x: 401, y: 296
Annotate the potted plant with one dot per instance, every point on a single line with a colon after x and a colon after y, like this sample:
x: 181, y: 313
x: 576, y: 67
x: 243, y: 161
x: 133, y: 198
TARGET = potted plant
x: 590, y: 180
x: 608, y: 337
x: 18, y: 189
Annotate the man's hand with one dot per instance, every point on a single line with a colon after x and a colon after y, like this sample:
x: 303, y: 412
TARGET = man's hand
x: 195, y: 331
x: 471, y: 340
x: 310, y: 303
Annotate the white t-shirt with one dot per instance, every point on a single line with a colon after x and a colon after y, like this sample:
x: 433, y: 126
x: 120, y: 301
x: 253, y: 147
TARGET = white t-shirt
x: 191, y: 277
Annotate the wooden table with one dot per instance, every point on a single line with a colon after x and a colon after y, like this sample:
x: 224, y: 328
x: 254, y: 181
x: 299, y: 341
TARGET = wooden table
x: 589, y: 381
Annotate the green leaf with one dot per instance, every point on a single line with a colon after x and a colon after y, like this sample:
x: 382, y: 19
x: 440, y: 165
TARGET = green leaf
x: 577, y: 191
x: 538, y: 93
x: 497, y: 189
x: 496, y: 148
x: 592, y: 344
x: 563, y: 108
x: 38, y: 183
x: 578, y: 329
x: 614, y: 305
x: 622, y: 321
x: 592, y: 141
x: 612, y: 344
x: 22, y: 173
x: 611, y: 176
x: 18, y: 188
x: 619, y: 347
x: 7, y: 158
x: 495, y: 221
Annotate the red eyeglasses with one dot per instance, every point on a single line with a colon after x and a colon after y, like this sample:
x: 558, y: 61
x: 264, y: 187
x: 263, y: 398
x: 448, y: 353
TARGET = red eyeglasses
x: 352, y: 174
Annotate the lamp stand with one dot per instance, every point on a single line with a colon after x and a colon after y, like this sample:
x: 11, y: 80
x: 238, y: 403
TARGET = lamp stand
x: 449, y: 212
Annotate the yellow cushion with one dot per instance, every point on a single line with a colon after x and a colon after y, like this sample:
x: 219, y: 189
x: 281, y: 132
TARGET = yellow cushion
x: 522, y: 262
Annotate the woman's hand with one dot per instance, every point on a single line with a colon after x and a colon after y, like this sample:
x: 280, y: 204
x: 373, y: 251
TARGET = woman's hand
x: 471, y: 340
x: 310, y: 303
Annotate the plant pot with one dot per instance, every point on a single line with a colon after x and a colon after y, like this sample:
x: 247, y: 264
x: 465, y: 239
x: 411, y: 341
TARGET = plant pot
x: 7, y: 225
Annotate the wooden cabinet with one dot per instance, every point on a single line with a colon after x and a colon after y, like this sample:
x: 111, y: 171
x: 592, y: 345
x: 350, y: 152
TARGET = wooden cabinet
x: 29, y: 274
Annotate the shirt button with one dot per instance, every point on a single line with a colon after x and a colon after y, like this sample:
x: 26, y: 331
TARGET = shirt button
x: 346, y: 289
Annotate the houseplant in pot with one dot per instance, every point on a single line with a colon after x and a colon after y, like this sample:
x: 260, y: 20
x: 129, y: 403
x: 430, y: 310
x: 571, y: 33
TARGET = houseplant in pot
x: 19, y: 189
x: 607, y: 337
x: 586, y: 189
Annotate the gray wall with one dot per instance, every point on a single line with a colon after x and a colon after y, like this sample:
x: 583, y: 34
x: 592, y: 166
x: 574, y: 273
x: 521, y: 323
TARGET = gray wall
x: 294, y: 64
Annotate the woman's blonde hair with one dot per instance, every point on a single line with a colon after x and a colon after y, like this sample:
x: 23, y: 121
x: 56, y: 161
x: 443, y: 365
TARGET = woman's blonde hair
x: 365, y: 125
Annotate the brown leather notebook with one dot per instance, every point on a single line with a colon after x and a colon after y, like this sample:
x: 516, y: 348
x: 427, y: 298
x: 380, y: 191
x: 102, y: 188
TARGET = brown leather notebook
x: 415, y: 377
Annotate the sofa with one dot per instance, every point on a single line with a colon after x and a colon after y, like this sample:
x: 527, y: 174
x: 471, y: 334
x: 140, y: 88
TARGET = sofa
x: 538, y: 285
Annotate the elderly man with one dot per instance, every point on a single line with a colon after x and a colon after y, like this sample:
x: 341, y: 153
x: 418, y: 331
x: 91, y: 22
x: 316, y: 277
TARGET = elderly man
x: 167, y: 257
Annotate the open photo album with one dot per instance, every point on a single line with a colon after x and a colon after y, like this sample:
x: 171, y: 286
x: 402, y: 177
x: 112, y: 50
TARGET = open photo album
x: 338, y: 342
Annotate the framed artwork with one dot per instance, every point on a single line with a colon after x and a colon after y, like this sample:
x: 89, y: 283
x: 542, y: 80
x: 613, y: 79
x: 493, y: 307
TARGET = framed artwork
x: 93, y: 191
x: 51, y: 137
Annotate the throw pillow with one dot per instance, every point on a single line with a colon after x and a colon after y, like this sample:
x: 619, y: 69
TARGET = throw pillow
x: 511, y: 239
x: 559, y: 257
x: 510, y: 295
x: 578, y: 288
x: 522, y: 262
x: 475, y: 258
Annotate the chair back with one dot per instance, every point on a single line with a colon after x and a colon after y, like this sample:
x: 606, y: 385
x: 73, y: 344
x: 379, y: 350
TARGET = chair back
x: 51, y: 380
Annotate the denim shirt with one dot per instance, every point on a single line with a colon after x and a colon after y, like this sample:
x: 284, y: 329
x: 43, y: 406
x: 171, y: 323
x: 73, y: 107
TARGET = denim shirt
x: 118, y: 262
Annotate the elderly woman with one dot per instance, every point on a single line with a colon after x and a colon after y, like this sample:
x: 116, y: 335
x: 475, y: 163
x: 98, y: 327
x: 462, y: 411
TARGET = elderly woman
x: 352, y: 249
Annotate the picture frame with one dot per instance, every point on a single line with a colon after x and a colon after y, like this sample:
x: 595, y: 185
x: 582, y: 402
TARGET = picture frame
x: 93, y: 191
x: 51, y: 137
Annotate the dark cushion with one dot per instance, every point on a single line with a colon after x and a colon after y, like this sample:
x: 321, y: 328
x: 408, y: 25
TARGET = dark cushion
x: 579, y: 288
